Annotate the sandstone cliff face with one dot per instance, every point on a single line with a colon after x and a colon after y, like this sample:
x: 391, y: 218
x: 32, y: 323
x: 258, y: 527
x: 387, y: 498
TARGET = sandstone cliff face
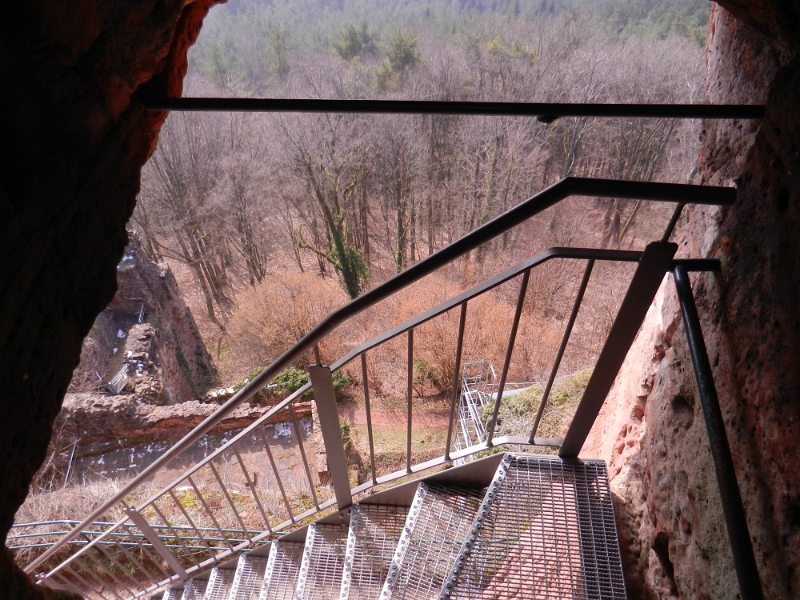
x: 73, y: 145
x: 186, y: 366
x: 653, y: 434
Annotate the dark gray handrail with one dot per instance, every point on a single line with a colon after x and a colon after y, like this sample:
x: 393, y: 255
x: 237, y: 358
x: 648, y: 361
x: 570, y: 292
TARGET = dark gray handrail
x: 545, y: 111
x: 570, y: 186
x: 492, y: 282
x: 744, y: 559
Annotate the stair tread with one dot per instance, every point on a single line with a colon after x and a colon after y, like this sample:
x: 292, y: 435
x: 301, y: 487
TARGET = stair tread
x: 438, y: 522
x: 219, y: 584
x: 323, y: 562
x: 546, y: 530
x: 172, y: 594
x: 194, y: 589
x: 371, y: 542
x: 283, y: 568
x: 248, y: 578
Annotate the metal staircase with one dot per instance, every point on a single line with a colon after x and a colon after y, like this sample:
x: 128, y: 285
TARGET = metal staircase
x: 542, y: 527
x: 229, y: 526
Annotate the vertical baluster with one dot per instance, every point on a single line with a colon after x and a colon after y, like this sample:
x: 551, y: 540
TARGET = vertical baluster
x: 110, y: 556
x: 523, y: 288
x: 276, y: 473
x: 564, y: 340
x: 63, y: 582
x: 209, y: 512
x: 252, y: 487
x: 229, y: 499
x: 410, y: 392
x: 369, y: 418
x: 103, y: 569
x: 296, y: 426
x: 189, y: 519
x: 456, y: 394
x: 88, y: 585
x: 135, y: 561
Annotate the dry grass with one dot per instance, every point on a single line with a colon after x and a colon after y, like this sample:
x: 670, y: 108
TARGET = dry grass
x: 518, y: 412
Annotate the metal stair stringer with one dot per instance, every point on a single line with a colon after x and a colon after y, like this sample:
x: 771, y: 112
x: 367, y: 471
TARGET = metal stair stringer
x: 438, y: 521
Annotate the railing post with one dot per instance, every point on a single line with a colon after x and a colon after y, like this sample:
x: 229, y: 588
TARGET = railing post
x: 655, y: 263
x: 732, y: 508
x: 157, y: 542
x: 322, y: 383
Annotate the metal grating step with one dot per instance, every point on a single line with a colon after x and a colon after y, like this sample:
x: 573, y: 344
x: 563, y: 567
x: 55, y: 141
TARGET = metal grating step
x: 437, y: 524
x: 323, y: 562
x: 248, y: 578
x: 545, y: 530
x: 194, y: 589
x: 371, y: 542
x: 172, y: 594
x: 219, y: 584
x: 283, y: 568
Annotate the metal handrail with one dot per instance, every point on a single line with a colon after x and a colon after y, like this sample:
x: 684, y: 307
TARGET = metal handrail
x: 530, y: 207
x: 546, y: 112
x: 491, y: 283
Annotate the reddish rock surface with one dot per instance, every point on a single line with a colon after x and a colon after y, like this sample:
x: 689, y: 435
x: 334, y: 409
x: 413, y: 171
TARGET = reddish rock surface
x: 653, y: 435
x: 184, y: 363
x: 73, y: 146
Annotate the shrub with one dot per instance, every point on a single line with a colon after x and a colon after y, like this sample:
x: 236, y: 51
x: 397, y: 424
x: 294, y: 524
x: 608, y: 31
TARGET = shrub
x: 290, y: 380
x: 274, y: 315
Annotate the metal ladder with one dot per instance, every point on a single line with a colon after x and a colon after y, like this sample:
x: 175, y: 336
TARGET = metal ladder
x: 543, y: 527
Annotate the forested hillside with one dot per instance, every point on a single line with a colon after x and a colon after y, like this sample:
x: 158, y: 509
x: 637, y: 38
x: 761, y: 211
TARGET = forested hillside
x: 265, y: 210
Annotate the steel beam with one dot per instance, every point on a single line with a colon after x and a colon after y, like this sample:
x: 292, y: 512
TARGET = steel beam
x: 655, y: 263
x: 324, y: 396
x: 546, y: 112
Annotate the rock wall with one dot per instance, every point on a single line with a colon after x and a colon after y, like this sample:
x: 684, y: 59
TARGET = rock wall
x: 185, y: 363
x: 74, y: 140
x: 652, y: 433
x: 101, y: 423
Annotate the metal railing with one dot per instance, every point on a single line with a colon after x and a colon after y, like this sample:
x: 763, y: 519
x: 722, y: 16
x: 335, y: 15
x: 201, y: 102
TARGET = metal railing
x: 41, y: 535
x: 240, y: 485
x: 546, y: 112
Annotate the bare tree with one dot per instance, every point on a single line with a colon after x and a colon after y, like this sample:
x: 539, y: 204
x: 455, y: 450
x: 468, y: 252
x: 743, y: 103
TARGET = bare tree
x: 177, y: 187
